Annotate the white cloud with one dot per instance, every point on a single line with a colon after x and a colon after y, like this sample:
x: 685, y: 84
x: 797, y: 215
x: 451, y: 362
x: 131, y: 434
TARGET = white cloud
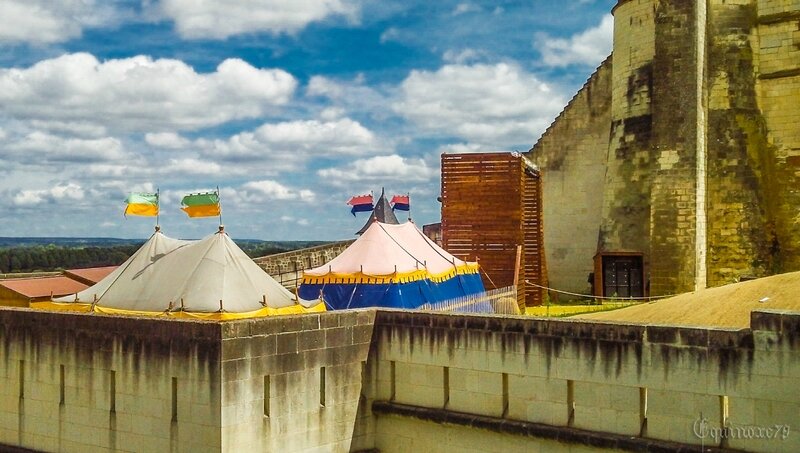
x: 192, y: 166
x: 589, y: 47
x: 350, y: 95
x: 380, y: 169
x: 331, y: 113
x: 462, y: 56
x: 251, y: 195
x: 58, y: 192
x: 269, y: 190
x: 38, y: 147
x: 463, y: 8
x: 390, y: 34
x: 220, y: 19
x: 288, y: 143
x: 140, y: 93
x: 167, y: 140
x: 464, y: 148
x: 50, y: 21
x: 499, y: 104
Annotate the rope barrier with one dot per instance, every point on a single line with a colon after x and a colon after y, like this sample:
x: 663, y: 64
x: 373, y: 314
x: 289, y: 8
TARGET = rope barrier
x: 598, y: 297
x: 487, y: 276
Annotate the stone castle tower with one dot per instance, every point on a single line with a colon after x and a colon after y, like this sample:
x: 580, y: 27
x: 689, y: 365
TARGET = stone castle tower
x: 680, y: 156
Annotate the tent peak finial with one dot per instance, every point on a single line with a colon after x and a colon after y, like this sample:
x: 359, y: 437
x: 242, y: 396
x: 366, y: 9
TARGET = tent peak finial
x: 221, y: 229
x: 158, y: 228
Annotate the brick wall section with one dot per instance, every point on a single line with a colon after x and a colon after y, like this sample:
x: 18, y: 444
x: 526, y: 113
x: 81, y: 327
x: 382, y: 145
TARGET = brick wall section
x: 572, y: 157
x: 133, y: 359
x: 291, y: 352
x: 287, y: 268
x: 681, y: 371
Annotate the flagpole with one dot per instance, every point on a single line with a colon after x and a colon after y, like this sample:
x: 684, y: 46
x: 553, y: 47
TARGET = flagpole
x: 220, y: 207
x: 158, y: 205
x: 408, y: 194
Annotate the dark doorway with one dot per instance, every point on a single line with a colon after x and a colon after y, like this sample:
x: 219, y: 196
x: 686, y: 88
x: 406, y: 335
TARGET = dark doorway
x: 622, y: 276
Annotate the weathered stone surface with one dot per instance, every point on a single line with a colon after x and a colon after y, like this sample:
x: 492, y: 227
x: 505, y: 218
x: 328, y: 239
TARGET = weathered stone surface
x: 702, y: 170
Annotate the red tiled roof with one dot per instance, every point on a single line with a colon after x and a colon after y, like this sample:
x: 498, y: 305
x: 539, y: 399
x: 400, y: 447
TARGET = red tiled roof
x: 90, y: 275
x: 43, y: 287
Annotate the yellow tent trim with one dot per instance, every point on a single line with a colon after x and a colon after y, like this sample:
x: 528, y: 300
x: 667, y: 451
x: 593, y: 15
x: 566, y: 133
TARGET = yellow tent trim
x: 401, y: 277
x: 215, y: 316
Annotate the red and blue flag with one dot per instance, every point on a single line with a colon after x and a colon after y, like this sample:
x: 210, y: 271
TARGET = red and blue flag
x: 401, y: 203
x: 361, y: 203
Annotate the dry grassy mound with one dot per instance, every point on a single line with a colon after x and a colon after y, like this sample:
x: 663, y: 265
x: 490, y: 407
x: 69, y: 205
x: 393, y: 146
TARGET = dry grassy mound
x: 723, y: 306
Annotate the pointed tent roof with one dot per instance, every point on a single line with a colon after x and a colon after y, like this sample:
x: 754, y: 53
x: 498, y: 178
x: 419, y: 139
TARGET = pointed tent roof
x: 168, y: 274
x: 393, y: 251
x: 383, y: 213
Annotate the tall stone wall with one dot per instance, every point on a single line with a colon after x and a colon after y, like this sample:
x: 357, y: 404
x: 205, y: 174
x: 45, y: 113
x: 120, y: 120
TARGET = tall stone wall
x: 703, y: 164
x: 625, y: 223
x: 740, y: 212
x: 778, y: 70
x: 674, y: 215
x: 571, y: 155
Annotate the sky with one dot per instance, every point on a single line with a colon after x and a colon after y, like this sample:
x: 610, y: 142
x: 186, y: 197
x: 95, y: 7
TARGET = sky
x: 289, y: 107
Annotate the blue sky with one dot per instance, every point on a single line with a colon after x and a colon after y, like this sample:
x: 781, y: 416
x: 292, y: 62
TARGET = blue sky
x: 288, y: 106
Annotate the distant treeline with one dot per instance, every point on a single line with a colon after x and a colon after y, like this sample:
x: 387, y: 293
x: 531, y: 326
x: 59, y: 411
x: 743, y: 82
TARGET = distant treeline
x: 40, y: 258
x: 51, y: 257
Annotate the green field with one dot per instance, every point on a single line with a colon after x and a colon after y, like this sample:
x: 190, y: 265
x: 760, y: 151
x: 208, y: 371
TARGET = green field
x: 562, y: 311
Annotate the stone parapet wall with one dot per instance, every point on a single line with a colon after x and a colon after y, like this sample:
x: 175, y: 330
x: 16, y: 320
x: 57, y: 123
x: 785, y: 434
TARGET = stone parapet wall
x: 645, y: 383
x: 73, y: 382
x: 393, y: 381
x: 295, y: 383
x: 287, y: 268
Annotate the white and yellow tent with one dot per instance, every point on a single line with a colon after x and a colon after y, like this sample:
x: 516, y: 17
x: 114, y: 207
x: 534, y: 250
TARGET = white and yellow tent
x: 211, y: 278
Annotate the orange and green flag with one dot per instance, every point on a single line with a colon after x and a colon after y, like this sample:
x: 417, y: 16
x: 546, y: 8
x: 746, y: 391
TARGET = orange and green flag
x: 143, y: 204
x: 201, y: 204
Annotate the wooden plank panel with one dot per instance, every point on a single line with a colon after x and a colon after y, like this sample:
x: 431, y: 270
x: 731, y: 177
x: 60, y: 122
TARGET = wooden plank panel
x: 490, y: 204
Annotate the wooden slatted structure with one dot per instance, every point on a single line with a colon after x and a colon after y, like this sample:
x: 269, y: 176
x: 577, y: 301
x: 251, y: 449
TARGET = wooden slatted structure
x: 491, y: 203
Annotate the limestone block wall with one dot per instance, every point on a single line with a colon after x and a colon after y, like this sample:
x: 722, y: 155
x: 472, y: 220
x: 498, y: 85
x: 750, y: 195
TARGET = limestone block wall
x: 295, y: 383
x: 287, y: 268
x: 778, y: 69
x: 572, y: 157
x: 739, y: 184
x: 625, y: 224
x: 441, y: 376
x: 674, y: 214
x: 71, y: 382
